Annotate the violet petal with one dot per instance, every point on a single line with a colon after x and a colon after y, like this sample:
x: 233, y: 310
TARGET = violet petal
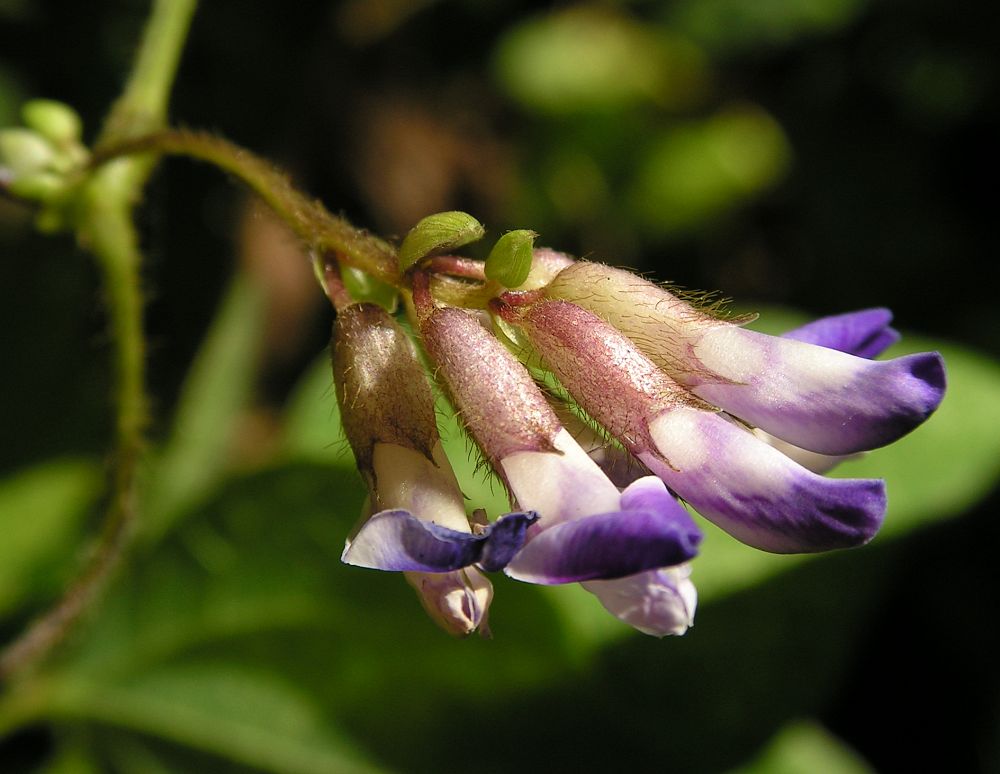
x: 865, y: 333
x: 755, y: 492
x: 818, y: 398
x: 658, y: 533
x: 396, y: 540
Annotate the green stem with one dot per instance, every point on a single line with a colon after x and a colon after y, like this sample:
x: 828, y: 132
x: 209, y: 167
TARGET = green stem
x: 308, y: 219
x: 142, y: 107
x: 103, y: 220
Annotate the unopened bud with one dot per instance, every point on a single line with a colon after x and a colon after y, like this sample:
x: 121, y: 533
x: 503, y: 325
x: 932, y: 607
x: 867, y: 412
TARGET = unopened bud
x: 55, y: 121
x: 499, y: 402
x: 382, y: 389
x: 24, y: 152
x: 40, y: 186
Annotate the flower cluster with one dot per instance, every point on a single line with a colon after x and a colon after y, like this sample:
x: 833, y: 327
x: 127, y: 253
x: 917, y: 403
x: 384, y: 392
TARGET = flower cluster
x: 671, y: 404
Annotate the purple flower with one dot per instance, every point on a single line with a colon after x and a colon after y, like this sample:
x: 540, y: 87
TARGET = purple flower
x: 587, y: 530
x: 865, y: 333
x: 416, y: 517
x: 706, y: 456
x: 815, y: 397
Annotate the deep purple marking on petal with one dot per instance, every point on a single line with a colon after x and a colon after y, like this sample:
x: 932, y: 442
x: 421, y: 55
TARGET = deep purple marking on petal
x: 504, y: 538
x: 820, y: 399
x: 608, y: 545
x: 398, y: 541
x: 865, y: 333
x: 757, y: 494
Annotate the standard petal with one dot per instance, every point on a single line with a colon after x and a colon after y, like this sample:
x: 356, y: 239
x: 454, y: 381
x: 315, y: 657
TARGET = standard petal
x: 865, y: 333
x: 657, y: 533
x: 814, y: 397
x: 657, y: 602
x: 756, y: 493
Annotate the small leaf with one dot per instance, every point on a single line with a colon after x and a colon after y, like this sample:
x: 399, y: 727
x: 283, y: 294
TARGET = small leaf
x: 438, y: 233
x: 509, y: 262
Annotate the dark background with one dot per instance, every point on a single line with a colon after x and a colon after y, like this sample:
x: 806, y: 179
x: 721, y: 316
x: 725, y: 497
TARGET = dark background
x: 390, y: 111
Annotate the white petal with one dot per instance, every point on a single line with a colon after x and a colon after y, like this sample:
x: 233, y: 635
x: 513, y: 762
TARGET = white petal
x: 406, y: 479
x: 559, y: 486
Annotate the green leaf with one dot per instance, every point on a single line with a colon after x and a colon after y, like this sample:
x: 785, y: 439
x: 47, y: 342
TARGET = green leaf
x: 312, y: 420
x: 202, y: 641
x: 806, y: 746
x: 509, y: 262
x: 438, y: 233
x: 217, y: 390
x: 762, y: 25
x: 596, y: 58
x: 42, y: 512
x: 702, y: 169
x: 248, y: 716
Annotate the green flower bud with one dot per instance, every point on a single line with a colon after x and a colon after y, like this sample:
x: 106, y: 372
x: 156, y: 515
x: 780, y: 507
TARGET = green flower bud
x: 41, y: 186
x: 55, y: 121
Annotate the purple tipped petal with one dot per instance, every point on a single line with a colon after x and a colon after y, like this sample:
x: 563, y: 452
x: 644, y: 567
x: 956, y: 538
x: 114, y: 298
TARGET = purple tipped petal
x: 817, y: 398
x: 504, y: 538
x: 611, y: 545
x: 865, y: 333
x: 756, y: 493
x: 399, y: 541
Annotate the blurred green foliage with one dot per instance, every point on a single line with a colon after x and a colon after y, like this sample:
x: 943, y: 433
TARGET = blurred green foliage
x: 818, y: 153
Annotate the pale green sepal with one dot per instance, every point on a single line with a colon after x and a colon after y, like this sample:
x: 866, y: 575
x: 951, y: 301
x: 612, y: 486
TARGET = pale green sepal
x: 438, y: 233
x: 55, y: 121
x: 509, y: 262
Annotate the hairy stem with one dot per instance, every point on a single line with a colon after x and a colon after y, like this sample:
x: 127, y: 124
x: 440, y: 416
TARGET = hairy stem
x: 103, y: 222
x: 307, y: 218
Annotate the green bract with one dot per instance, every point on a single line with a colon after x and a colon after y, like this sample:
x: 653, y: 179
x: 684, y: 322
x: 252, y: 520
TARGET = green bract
x: 510, y: 259
x: 438, y: 233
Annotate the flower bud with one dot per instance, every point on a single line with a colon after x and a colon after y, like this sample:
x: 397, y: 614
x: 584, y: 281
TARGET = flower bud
x: 56, y: 121
x: 24, y: 152
x: 382, y: 389
x: 499, y: 402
